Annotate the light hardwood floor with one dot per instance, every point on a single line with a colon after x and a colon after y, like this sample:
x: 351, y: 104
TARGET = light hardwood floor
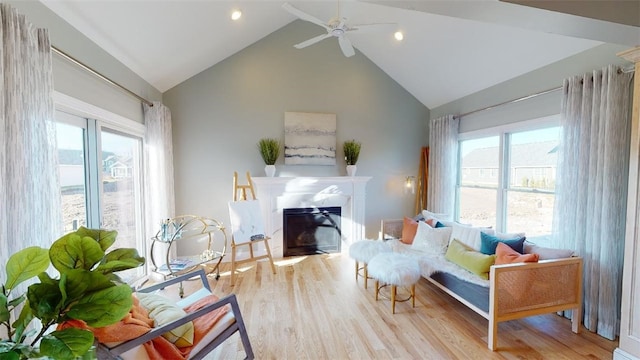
x: 314, y: 309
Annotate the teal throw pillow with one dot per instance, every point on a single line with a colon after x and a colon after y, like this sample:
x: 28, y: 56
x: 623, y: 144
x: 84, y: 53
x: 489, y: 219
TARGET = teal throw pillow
x: 488, y: 244
x: 439, y: 225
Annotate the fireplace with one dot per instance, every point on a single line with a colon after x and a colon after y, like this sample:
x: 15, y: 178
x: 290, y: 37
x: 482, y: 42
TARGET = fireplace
x: 279, y: 193
x: 308, y: 231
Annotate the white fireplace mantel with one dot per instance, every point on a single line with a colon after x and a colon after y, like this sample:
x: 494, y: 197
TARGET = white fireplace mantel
x: 278, y: 193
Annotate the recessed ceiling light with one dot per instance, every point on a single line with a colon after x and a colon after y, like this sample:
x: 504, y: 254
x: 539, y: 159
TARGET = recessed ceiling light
x: 236, y: 14
x: 398, y: 35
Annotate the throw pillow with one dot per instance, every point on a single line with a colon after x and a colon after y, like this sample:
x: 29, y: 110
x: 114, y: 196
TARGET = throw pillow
x: 488, y: 243
x: 469, y: 259
x: 428, y: 215
x: 409, y: 228
x: 507, y: 236
x: 506, y: 255
x: 163, y: 311
x: 546, y: 253
x: 430, y: 240
x: 469, y: 235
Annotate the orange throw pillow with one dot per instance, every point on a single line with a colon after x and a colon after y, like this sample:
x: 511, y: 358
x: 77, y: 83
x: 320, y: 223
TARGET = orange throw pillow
x: 409, y: 229
x: 506, y: 255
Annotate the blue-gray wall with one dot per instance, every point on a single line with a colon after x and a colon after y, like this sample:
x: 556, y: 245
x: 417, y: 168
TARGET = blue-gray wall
x: 220, y: 114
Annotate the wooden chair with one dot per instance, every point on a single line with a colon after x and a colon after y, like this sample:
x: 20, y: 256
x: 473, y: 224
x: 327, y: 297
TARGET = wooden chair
x: 240, y: 194
x: 228, y: 325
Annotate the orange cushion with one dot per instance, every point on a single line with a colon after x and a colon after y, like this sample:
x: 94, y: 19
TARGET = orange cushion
x: 431, y: 222
x: 506, y: 255
x: 409, y: 229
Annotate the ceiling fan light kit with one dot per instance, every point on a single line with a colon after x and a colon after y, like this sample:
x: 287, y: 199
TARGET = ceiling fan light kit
x: 336, y: 27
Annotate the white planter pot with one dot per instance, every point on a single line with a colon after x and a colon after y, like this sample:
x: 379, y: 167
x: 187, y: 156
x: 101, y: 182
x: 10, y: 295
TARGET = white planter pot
x: 351, y: 170
x: 270, y: 170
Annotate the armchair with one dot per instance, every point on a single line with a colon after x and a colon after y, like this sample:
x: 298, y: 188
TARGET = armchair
x: 226, y: 326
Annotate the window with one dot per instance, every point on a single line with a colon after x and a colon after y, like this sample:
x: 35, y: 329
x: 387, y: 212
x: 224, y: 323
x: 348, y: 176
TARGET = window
x: 530, y: 194
x: 100, y: 180
x: 518, y: 196
x: 477, y: 192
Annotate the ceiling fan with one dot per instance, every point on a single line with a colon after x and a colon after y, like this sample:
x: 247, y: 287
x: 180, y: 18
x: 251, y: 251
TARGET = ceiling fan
x: 335, y: 27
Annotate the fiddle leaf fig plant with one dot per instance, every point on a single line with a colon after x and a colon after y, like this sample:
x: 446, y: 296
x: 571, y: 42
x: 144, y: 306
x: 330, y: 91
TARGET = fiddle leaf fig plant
x: 86, y: 289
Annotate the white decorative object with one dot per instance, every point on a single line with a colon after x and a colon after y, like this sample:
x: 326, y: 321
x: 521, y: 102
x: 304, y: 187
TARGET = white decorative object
x: 246, y: 220
x: 270, y: 170
x: 278, y: 193
x: 351, y: 170
x: 309, y: 138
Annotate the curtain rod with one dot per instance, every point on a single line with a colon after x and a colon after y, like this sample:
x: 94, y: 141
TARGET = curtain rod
x: 102, y: 77
x: 621, y: 70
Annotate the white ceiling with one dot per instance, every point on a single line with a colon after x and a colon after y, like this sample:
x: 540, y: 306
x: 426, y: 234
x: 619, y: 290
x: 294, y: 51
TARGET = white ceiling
x: 451, y: 48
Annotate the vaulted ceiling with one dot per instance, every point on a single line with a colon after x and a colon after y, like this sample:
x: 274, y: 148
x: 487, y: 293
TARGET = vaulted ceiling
x: 450, y: 49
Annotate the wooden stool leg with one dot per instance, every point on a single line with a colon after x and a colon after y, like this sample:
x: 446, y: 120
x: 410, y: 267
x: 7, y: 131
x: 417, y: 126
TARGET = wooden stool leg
x: 413, y: 295
x: 357, y: 268
x: 393, y: 299
x: 377, y: 289
x: 366, y: 275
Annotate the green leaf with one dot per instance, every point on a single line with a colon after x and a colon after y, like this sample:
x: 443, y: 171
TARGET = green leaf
x: 46, y: 279
x: 4, y: 308
x: 105, y: 238
x: 75, y: 252
x: 11, y: 355
x: 104, y: 307
x: 119, y: 260
x: 17, y: 301
x: 21, y: 323
x: 45, y: 300
x: 26, y: 264
x: 66, y: 344
x: 80, y: 282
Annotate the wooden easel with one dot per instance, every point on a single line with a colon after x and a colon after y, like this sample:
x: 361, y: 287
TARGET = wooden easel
x: 243, y: 196
x: 422, y: 181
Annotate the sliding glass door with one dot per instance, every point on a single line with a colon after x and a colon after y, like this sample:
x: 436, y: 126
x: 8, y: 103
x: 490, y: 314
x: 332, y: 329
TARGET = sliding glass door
x: 100, y: 170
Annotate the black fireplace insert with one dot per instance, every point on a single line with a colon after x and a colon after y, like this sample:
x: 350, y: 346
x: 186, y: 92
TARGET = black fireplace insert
x: 309, y: 231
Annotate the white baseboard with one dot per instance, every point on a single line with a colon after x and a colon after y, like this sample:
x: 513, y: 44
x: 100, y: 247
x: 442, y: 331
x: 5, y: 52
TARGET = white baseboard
x: 620, y: 354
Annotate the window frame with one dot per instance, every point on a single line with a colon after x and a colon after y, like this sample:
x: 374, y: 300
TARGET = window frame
x: 99, y: 120
x: 504, y: 132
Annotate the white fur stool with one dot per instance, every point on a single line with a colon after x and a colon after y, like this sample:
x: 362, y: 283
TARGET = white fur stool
x: 396, y: 270
x: 362, y: 251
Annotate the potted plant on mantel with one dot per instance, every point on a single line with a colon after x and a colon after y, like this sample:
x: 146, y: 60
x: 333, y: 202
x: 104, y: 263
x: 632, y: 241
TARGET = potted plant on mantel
x: 351, y: 152
x: 269, y: 150
x: 87, y: 289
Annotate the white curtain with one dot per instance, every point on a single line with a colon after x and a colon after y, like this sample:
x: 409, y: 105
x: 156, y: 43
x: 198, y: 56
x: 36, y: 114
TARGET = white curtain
x: 158, y: 151
x: 29, y: 187
x: 443, y: 154
x: 591, y: 188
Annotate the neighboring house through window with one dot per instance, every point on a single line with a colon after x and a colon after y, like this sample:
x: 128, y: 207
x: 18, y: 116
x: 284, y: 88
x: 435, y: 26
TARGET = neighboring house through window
x: 518, y: 196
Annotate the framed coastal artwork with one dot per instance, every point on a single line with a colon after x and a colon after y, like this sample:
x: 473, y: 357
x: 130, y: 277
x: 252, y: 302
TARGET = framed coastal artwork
x: 309, y: 138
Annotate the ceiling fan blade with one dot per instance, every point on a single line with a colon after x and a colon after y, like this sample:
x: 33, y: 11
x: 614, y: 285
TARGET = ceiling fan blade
x: 311, y: 41
x: 346, y: 47
x: 304, y: 16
